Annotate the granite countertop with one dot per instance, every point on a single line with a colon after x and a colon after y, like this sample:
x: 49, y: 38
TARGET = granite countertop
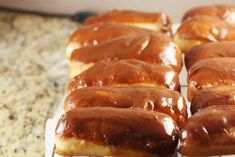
x: 33, y: 76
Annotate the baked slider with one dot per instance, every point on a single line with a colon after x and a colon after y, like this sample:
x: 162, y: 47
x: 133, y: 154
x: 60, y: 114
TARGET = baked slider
x: 109, y: 131
x: 152, y: 48
x: 147, y: 98
x: 210, y: 72
x: 157, y: 21
x: 95, y: 34
x: 221, y: 11
x: 210, y: 50
x: 213, y: 96
x: 127, y: 72
x: 203, y: 29
x: 209, y: 132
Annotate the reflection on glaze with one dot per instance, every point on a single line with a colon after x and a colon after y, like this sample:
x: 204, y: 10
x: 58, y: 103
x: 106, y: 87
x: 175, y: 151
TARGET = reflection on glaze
x: 169, y: 76
x: 168, y: 125
x: 169, y: 54
x: 230, y: 17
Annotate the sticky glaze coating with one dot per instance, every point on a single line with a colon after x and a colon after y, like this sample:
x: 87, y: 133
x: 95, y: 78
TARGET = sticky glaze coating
x: 131, y: 17
x: 210, y: 72
x: 152, y: 48
x: 94, y: 34
x: 223, y: 12
x: 152, y: 99
x: 213, y: 96
x: 210, y: 50
x: 209, y: 132
x: 138, y: 130
x: 206, y: 29
x: 126, y: 73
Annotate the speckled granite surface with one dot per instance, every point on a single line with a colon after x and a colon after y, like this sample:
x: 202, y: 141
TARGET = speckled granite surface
x: 33, y: 75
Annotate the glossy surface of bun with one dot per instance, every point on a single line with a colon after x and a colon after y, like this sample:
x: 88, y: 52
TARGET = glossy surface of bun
x: 209, y: 132
x: 147, y: 98
x: 116, y: 130
x: 127, y: 73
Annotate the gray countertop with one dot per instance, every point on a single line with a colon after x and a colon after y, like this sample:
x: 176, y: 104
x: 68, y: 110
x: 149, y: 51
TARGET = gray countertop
x: 33, y: 76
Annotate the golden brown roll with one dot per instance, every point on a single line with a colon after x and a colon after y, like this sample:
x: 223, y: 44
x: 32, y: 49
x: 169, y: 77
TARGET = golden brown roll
x: 213, y: 96
x: 210, y: 50
x: 152, y: 48
x: 108, y: 131
x: 157, y: 21
x: 210, y: 72
x: 127, y: 73
x: 223, y: 12
x: 202, y: 29
x: 95, y: 34
x: 147, y: 98
x: 209, y: 132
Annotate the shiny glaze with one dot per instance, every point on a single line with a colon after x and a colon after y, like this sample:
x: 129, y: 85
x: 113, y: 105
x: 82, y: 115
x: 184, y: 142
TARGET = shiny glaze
x: 218, y: 95
x: 140, y: 130
x: 212, y: 72
x: 210, y: 50
x: 130, y: 16
x: 206, y: 29
x: 209, y: 132
x: 95, y: 34
x: 223, y: 12
x: 152, y: 99
x: 125, y: 73
x: 152, y: 48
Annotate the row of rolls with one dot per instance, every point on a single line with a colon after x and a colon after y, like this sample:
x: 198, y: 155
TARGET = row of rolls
x: 207, y: 37
x: 123, y: 97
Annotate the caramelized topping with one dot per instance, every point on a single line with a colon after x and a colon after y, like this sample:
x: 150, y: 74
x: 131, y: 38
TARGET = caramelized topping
x: 152, y: 99
x: 219, y: 95
x: 209, y: 132
x: 95, y: 34
x: 152, y: 132
x: 132, y: 17
x: 212, y: 72
x: 206, y: 29
x: 223, y: 12
x: 126, y: 73
x: 152, y: 48
x: 210, y: 50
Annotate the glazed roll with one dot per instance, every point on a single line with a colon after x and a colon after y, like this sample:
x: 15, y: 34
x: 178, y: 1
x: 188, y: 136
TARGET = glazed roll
x: 213, y: 96
x: 210, y: 50
x: 210, y: 72
x: 202, y: 29
x: 152, y: 48
x: 115, y: 132
x: 209, y: 132
x: 95, y: 34
x: 147, y: 98
x: 127, y: 72
x: 223, y: 12
x: 158, y: 21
